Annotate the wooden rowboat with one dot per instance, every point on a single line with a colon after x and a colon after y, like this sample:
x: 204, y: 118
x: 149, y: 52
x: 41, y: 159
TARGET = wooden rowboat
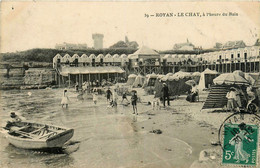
x: 29, y: 135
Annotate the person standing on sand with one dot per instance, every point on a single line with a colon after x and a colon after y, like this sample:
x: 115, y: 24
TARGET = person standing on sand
x: 115, y: 97
x: 65, y: 99
x: 134, y: 102
x: 165, y: 93
x: 95, y: 97
x: 194, y: 92
x: 108, y: 94
x: 231, y: 96
x: 77, y: 86
x: 124, y: 97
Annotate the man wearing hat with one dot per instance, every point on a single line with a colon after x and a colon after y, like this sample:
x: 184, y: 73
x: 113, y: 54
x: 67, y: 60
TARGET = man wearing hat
x: 15, y: 117
x: 14, y: 122
x: 165, y: 92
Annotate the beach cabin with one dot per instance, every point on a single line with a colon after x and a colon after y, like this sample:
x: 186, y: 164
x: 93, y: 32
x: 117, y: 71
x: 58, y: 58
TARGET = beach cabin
x: 145, y: 61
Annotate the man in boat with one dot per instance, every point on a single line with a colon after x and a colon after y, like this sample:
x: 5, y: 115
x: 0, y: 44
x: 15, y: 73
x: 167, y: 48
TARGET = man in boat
x: 16, y: 120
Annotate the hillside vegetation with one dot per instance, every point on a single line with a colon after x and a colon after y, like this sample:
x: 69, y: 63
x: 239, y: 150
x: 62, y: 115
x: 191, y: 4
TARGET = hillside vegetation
x: 46, y: 55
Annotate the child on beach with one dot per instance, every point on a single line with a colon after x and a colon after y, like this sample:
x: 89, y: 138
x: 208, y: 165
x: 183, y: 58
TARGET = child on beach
x: 134, y: 100
x: 124, y: 97
x: 95, y: 97
x: 108, y: 94
x: 115, y: 97
x: 65, y: 99
x: 156, y: 104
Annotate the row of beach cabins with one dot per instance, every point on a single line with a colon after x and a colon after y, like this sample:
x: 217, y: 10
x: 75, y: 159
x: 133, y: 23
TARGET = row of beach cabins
x: 245, y: 59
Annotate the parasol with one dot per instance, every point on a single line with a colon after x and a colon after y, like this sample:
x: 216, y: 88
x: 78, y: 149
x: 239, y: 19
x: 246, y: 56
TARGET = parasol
x: 239, y: 72
x: 191, y: 82
x: 230, y: 78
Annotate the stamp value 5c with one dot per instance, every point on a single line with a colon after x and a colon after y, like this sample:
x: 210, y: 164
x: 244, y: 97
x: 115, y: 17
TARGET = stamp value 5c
x: 240, y: 144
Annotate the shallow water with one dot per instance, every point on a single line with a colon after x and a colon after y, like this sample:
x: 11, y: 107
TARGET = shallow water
x: 108, y: 137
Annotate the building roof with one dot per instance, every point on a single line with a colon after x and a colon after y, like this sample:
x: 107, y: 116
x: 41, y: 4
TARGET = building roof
x: 144, y: 52
x: 65, y: 71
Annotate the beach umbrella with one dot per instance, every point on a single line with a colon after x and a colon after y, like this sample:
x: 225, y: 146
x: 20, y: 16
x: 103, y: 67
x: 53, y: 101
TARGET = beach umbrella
x: 169, y: 74
x: 191, y: 82
x: 196, y: 74
x: 208, y: 71
x: 153, y: 75
x: 230, y: 78
x: 249, y: 78
x: 132, y: 76
x: 181, y: 74
x: 239, y: 72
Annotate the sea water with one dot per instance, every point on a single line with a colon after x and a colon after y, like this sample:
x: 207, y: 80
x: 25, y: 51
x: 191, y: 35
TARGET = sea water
x: 103, y: 136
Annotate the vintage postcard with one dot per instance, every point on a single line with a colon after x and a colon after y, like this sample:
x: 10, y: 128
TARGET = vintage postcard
x: 112, y: 84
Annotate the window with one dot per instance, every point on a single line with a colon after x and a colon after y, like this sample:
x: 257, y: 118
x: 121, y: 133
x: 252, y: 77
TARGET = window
x: 93, y: 62
x: 76, y: 62
x: 245, y: 56
x: 232, y: 56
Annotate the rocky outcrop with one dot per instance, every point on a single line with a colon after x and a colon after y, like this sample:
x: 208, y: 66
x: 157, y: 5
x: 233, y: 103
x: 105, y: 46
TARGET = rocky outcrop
x: 36, y: 76
x: 19, y: 78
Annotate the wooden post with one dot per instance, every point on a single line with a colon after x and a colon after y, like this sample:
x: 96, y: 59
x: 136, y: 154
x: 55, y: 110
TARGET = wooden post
x: 69, y: 80
x: 79, y: 81
x: 59, y: 79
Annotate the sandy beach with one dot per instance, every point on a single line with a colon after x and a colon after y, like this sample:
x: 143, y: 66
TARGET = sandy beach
x: 114, y: 137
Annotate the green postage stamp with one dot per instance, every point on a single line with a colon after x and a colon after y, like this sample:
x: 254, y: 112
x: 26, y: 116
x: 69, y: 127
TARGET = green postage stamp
x: 240, y: 144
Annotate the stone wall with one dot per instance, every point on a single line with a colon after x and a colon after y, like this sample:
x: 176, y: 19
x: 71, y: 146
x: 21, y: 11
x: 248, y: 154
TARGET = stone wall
x: 35, y: 76
x: 19, y: 78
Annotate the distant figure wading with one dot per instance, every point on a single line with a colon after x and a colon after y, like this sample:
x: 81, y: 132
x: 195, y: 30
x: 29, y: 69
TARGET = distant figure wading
x: 65, y: 99
x: 134, y: 102
x: 108, y: 94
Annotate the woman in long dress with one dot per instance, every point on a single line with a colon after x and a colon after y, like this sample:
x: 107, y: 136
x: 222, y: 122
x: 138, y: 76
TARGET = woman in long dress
x: 65, y: 99
x: 237, y: 140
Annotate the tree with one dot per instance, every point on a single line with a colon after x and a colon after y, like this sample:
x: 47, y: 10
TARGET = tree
x: 119, y: 44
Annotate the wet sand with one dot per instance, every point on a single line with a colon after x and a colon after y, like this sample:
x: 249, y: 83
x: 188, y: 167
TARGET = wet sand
x: 113, y: 137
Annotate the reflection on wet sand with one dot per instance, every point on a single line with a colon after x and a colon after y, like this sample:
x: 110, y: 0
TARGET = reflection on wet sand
x: 106, y: 137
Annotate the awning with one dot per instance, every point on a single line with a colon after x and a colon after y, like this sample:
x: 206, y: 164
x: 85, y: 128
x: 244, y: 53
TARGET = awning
x: 65, y: 71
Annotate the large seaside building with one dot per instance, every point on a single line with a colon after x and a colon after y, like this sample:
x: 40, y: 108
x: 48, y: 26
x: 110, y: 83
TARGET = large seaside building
x: 146, y: 61
x: 184, y: 46
x: 70, y: 46
x: 98, y: 40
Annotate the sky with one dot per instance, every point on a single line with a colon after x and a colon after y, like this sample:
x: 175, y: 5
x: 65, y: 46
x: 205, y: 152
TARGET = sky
x: 27, y: 25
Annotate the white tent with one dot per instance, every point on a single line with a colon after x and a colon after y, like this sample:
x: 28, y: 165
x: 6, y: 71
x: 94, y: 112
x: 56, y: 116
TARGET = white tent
x: 206, y: 78
x: 139, y: 81
x: 150, y: 80
x: 131, y: 79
